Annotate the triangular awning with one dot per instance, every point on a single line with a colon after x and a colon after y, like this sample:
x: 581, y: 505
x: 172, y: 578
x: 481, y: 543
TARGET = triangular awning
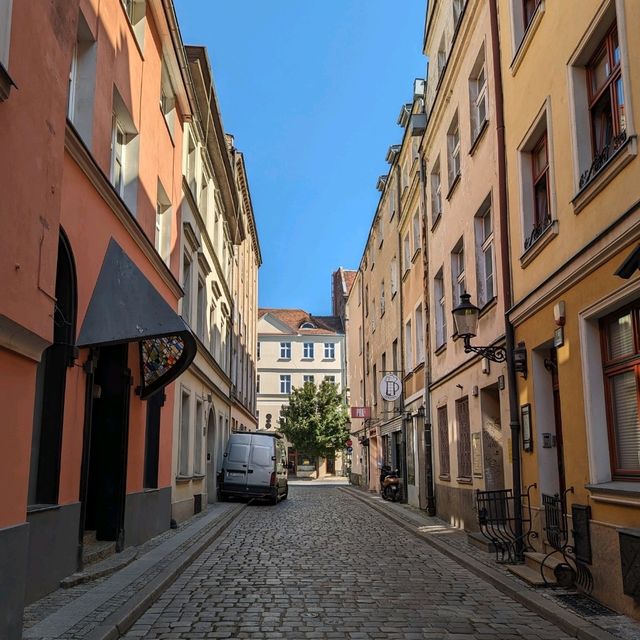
x: 126, y: 307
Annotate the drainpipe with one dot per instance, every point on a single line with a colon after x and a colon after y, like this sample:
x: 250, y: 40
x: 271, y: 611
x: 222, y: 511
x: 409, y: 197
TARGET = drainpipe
x: 364, y: 380
x: 505, y: 269
x: 426, y: 401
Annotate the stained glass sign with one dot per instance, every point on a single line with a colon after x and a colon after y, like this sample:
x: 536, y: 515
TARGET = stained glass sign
x: 162, y: 360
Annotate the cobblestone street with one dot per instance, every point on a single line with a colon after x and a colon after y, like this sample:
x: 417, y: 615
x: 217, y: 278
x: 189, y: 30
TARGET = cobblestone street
x: 323, y: 565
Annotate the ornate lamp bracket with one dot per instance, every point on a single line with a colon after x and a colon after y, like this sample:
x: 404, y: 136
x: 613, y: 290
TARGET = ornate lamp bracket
x: 495, y: 354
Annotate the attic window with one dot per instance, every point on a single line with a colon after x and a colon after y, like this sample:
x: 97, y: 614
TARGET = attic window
x: 307, y: 325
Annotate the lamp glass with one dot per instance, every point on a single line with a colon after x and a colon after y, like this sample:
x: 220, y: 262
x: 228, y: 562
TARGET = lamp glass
x: 465, y: 317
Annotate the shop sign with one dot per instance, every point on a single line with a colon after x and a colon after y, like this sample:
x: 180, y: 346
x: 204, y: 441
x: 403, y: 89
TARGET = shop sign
x: 390, y: 387
x: 361, y: 412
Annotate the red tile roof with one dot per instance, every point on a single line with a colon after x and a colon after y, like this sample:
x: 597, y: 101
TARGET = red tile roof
x: 294, y: 318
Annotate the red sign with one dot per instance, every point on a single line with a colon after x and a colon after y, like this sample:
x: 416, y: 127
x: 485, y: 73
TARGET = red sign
x: 348, y: 443
x: 361, y: 412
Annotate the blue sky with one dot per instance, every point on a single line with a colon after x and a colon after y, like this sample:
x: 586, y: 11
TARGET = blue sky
x: 311, y: 90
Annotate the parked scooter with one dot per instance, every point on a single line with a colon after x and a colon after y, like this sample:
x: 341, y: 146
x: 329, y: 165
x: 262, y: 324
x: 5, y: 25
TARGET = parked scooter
x: 389, y: 484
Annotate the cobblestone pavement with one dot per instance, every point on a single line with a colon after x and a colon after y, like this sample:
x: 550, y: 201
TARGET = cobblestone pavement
x: 323, y: 565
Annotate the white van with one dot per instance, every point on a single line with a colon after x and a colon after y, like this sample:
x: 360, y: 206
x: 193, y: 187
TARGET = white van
x: 254, y: 466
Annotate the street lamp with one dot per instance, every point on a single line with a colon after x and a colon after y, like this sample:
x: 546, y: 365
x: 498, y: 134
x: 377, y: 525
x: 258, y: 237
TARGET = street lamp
x: 465, y: 320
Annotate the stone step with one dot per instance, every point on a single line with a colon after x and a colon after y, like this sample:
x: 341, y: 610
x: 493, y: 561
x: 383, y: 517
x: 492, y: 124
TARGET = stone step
x: 97, y: 550
x: 100, y: 569
x: 529, y: 575
x: 476, y: 539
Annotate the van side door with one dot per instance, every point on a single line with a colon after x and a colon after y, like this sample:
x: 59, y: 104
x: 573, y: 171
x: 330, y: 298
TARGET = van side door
x: 261, y: 463
x: 236, y: 463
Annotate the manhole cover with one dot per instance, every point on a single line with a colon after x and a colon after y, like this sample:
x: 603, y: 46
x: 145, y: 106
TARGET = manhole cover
x: 585, y: 605
x: 310, y: 614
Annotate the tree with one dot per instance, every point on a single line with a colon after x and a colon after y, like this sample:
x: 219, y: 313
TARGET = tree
x: 315, y: 420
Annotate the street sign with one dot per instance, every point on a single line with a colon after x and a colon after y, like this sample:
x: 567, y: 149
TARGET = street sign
x: 348, y: 443
x: 361, y: 412
x: 349, y: 449
x: 390, y: 387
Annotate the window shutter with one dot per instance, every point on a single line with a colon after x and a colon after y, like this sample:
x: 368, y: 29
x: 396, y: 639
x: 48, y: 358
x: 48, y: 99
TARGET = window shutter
x: 624, y: 396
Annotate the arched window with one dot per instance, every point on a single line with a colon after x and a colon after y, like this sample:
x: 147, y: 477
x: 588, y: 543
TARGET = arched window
x: 51, y: 384
x: 307, y: 325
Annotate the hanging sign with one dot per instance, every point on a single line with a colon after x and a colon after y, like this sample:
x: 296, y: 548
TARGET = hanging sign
x: 361, y: 412
x: 390, y: 387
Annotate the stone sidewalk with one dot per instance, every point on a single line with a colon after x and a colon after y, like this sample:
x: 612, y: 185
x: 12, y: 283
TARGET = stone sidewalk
x: 546, y: 602
x: 105, y: 608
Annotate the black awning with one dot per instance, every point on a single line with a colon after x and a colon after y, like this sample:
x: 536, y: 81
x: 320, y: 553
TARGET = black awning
x: 126, y: 307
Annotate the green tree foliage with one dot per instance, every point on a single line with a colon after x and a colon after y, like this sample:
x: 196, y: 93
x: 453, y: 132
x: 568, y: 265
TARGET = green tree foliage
x: 315, y: 420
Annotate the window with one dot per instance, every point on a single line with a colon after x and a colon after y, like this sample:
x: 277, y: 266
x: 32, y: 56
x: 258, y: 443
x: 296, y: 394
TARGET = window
x: 457, y: 272
x: 330, y: 379
x: 419, y: 336
x: 443, y: 441
x: 484, y: 255
x: 163, y: 224
x: 258, y: 383
x: 367, y: 356
x: 329, y: 350
x: 308, y: 350
x: 380, y: 230
x: 374, y: 387
x: 453, y: 150
x: 441, y: 321
x: 366, y: 300
x: 201, y: 307
x: 464, y: 438
x: 214, y: 332
x: 392, y: 201
x: 5, y: 33
x: 528, y: 11
x: 191, y: 164
x: 406, y: 254
x: 186, y: 286
x: 185, y: 430
x: 307, y: 325
x: 285, y: 350
x: 540, y: 176
x: 167, y: 99
x: 258, y: 349
x: 478, y: 95
x: 360, y: 339
x: 198, y: 437
x: 373, y: 315
x: 394, y: 276
x: 436, y: 192
x: 135, y: 10
x: 606, y: 93
x: 382, y: 302
x: 408, y: 347
x: 124, y: 153
x: 285, y: 384
x: 308, y: 378
x: 620, y: 340
x: 203, y: 199
x: 442, y: 57
x: 416, y: 232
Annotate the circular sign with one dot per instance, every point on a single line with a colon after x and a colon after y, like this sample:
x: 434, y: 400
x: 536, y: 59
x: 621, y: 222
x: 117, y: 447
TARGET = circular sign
x: 390, y: 387
x: 349, y: 449
x: 348, y: 443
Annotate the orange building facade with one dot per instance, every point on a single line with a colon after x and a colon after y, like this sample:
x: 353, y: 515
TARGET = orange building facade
x: 89, y: 334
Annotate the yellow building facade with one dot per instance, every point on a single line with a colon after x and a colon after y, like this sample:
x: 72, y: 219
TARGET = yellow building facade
x: 570, y: 103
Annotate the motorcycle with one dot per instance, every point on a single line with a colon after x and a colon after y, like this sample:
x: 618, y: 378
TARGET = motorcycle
x: 389, y: 484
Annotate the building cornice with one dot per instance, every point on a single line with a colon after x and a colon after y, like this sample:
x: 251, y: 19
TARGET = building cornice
x: 83, y: 158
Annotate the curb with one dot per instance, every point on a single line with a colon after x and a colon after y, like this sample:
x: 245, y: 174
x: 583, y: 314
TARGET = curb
x: 569, y: 622
x: 121, y: 620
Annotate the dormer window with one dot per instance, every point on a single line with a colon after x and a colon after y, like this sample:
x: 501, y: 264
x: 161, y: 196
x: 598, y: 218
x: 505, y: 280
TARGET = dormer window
x: 307, y: 325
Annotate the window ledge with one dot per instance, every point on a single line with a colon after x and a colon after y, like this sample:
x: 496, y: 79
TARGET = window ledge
x: 199, y: 476
x: 445, y: 477
x: 394, y: 294
x: 435, y: 222
x: 464, y: 480
x: 307, y: 359
x: 454, y: 184
x: 614, y: 165
x: 527, y: 38
x: 416, y: 253
x: 616, y: 492
x: 5, y: 84
x: 441, y: 349
x: 406, y: 273
x: 183, y: 479
x: 488, y: 306
x: 476, y: 141
x: 541, y: 242
x: 37, y: 508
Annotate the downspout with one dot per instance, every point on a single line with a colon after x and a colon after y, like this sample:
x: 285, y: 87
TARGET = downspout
x: 405, y: 479
x: 505, y: 269
x: 364, y: 378
x: 426, y: 400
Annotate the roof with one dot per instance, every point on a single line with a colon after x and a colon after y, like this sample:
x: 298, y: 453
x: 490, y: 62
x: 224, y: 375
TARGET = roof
x: 349, y: 278
x: 294, y: 318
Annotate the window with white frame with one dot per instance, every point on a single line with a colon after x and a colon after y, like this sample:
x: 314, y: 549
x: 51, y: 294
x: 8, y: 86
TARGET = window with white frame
x: 329, y: 350
x: 308, y: 378
x: 415, y: 225
x: 440, y: 316
x: 125, y: 143
x: 419, y: 335
x: 373, y: 315
x: 198, y: 439
x: 442, y: 57
x: 453, y: 150
x: 478, y: 94
x: 484, y: 255
x: 458, y: 6
x: 457, y: 272
x: 164, y: 221
x: 408, y: 347
x: 307, y: 350
x: 258, y: 383
x: 191, y: 164
x: 201, y: 306
x: 118, y: 142
x: 167, y: 99
x: 258, y: 350
x: 392, y: 201
x: 382, y: 300
x: 330, y: 379
x: 394, y: 276
x: 285, y: 384
x: 285, y: 350
x: 436, y: 191
x: 186, y: 286
x: 185, y: 431
x: 203, y: 198
x: 406, y: 254
x: 380, y: 229
x: 135, y: 10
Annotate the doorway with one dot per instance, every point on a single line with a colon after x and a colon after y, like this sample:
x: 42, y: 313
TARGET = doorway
x: 493, y: 454
x: 552, y: 366
x: 109, y: 444
x: 331, y: 466
x: 211, y: 458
